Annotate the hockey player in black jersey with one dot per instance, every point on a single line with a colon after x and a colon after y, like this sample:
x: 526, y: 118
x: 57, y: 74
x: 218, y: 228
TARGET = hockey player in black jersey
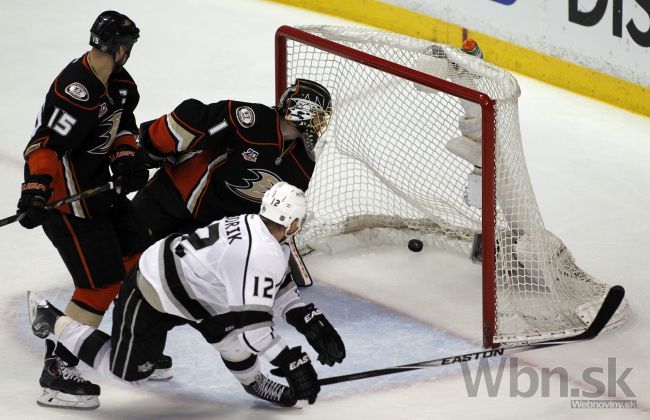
x: 226, y: 280
x: 219, y: 159
x: 84, y: 137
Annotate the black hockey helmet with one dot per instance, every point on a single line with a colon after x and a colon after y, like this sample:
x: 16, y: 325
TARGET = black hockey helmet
x: 308, y: 106
x: 111, y: 30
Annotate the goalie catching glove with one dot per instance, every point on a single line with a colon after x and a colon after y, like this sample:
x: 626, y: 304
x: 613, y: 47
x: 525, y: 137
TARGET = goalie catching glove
x: 294, y: 365
x: 320, y: 334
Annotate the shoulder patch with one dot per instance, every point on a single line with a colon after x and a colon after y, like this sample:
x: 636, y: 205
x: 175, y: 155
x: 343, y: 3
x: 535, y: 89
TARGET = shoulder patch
x: 245, y: 116
x: 77, y: 91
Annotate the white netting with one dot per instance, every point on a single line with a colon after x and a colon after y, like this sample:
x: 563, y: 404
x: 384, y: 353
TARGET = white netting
x: 384, y: 163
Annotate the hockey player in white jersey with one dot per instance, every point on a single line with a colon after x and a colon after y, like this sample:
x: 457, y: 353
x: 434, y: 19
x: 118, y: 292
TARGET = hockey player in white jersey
x: 227, y: 280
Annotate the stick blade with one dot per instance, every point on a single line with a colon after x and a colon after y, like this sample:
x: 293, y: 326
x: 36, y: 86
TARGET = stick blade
x: 611, y: 303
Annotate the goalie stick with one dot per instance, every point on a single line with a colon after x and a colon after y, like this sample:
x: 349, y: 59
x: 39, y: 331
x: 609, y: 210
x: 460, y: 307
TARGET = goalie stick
x: 605, y: 313
x: 84, y: 194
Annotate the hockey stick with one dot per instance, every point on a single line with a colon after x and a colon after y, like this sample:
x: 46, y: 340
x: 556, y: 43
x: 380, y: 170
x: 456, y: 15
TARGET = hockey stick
x: 84, y: 194
x: 299, y: 271
x: 605, y: 313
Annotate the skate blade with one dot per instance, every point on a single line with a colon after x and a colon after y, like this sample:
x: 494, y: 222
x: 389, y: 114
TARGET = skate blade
x: 161, y: 375
x: 32, y: 303
x: 33, y: 300
x: 56, y: 399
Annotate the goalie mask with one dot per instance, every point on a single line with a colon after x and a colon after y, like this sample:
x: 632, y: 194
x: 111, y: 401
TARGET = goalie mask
x: 283, y: 204
x: 308, y: 106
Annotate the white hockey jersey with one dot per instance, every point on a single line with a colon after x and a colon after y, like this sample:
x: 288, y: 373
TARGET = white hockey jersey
x: 233, y: 265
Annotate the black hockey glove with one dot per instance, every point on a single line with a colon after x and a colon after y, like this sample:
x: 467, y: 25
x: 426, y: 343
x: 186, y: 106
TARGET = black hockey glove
x: 295, y: 365
x: 129, y: 170
x: 35, y: 192
x: 320, y: 334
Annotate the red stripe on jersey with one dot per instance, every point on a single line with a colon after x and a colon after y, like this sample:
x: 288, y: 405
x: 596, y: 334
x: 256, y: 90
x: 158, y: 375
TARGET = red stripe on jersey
x: 128, y: 139
x: 295, y: 159
x: 189, y: 173
x: 43, y: 162
x: 84, y: 61
x: 200, y: 134
x: 278, y: 132
x: 96, y: 300
x: 161, y: 137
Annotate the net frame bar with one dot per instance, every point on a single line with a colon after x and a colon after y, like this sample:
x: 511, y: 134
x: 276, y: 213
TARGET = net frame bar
x: 487, y: 104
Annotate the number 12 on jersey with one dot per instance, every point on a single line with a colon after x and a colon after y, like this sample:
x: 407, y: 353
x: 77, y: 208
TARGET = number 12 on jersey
x: 263, y: 287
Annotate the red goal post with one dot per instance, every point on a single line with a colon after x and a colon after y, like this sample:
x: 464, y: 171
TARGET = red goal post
x: 318, y: 53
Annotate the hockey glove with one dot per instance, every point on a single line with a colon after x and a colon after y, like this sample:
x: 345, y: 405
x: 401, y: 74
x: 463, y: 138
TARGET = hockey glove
x: 320, y: 334
x: 294, y: 365
x: 35, y: 192
x: 128, y: 167
x: 153, y: 157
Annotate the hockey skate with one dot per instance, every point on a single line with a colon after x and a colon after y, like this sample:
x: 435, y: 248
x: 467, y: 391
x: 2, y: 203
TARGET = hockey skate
x: 42, y: 315
x: 273, y: 392
x: 163, y: 369
x: 63, y: 386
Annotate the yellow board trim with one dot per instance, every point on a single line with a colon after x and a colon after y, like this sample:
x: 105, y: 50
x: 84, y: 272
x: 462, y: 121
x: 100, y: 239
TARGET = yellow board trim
x: 561, y: 73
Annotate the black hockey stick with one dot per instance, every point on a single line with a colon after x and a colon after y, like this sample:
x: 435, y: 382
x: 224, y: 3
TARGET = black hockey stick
x: 84, y: 194
x: 605, y: 313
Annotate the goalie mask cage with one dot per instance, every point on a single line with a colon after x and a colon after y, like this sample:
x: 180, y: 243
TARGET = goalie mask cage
x: 383, y: 163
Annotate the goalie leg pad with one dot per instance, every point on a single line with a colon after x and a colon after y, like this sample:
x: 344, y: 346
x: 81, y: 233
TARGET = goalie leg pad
x: 466, y: 148
x: 474, y: 192
x: 471, y: 126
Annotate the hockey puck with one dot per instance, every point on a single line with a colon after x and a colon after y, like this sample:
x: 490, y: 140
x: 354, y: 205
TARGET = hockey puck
x: 416, y: 245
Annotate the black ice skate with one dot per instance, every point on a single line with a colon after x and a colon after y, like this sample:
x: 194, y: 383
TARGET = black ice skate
x: 42, y: 315
x: 270, y: 391
x: 162, y: 370
x: 63, y: 386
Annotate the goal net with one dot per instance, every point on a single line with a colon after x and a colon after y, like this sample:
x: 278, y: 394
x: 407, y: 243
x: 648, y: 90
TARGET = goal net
x: 388, y: 163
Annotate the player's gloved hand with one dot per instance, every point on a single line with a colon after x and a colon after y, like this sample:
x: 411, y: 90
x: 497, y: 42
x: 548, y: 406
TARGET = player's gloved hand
x: 295, y: 365
x: 35, y: 192
x: 153, y: 157
x: 320, y: 334
x: 128, y: 167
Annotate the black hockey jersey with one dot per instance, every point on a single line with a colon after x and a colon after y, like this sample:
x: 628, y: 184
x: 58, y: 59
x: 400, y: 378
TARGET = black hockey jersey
x: 78, y: 126
x: 222, y: 157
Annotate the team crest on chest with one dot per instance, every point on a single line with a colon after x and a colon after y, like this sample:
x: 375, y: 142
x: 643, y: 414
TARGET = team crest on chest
x: 245, y: 116
x: 253, y: 188
x: 250, y: 155
x: 109, y: 127
x: 77, y: 91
